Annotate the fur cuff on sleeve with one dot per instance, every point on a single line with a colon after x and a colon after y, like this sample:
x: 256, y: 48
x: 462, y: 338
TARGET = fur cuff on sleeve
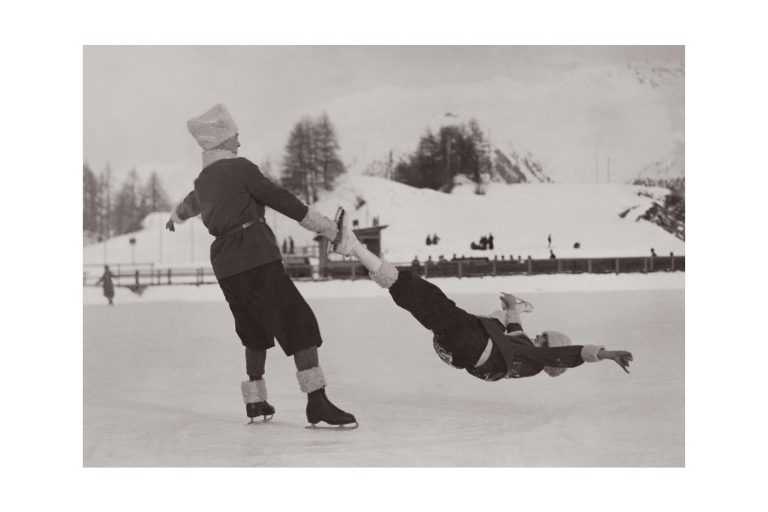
x: 316, y: 221
x: 311, y: 380
x: 589, y: 353
x: 386, y: 275
x: 175, y: 217
x: 254, y: 391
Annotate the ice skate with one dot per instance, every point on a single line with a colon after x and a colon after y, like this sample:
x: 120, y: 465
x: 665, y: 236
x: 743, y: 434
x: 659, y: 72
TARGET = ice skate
x: 255, y: 399
x: 320, y: 409
x: 256, y: 409
x: 516, y: 303
x: 346, y: 240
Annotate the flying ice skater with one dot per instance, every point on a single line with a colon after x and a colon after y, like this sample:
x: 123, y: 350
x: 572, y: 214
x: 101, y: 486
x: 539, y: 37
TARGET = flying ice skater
x: 489, y: 348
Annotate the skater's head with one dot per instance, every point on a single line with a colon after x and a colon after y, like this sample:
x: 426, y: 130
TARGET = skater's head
x: 213, y: 128
x: 552, y: 339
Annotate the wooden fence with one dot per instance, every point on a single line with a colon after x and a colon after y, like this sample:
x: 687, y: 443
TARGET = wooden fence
x: 139, y: 276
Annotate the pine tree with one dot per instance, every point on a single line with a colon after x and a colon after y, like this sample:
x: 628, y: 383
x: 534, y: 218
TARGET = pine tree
x: 297, y: 162
x: 328, y: 162
x: 127, y: 213
x: 91, y: 206
x: 155, y: 196
x: 311, y: 160
x: 105, y: 204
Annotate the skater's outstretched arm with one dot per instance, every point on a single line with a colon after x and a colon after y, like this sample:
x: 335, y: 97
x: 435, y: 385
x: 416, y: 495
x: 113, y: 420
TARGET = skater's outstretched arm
x: 186, y: 209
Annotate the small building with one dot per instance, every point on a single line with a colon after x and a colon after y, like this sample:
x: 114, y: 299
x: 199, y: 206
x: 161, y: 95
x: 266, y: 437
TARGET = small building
x: 370, y: 237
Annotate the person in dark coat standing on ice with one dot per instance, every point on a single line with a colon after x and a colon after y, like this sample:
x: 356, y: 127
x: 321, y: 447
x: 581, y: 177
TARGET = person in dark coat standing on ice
x: 231, y: 194
x: 489, y: 348
x: 107, y: 286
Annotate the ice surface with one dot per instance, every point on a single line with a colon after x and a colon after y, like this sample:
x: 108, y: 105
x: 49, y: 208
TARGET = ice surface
x: 161, y: 387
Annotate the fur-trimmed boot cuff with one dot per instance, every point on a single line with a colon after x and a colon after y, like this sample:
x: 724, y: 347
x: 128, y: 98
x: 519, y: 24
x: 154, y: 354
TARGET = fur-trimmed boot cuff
x: 254, y: 391
x: 589, y: 353
x: 311, y: 380
x: 386, y: 275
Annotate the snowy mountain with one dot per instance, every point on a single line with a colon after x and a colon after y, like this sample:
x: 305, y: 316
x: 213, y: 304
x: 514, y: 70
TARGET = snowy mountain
x: 602, y: 219
x: 580, y: 124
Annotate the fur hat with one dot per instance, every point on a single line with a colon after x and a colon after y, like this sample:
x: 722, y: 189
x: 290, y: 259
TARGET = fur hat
x: 556, y: 339
x: 213, y: 127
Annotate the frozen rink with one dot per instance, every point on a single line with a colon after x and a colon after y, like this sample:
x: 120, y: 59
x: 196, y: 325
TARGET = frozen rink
x: 162, y: 378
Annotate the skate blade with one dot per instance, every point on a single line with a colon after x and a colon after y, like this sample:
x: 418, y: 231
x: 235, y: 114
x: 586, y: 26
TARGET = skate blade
x: 348, y: 426
x: 261, y: 421
x: 338, y: 219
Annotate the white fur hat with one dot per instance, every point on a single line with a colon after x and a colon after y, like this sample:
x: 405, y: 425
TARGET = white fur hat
x: 213, y: 127
x: 556, y: 339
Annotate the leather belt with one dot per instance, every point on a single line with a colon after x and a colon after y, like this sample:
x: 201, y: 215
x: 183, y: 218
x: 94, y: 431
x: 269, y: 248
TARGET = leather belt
x: 241, y: 227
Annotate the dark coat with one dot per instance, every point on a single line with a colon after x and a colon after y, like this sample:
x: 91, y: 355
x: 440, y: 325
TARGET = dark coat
x: 106, y: 284
x: 229, y: 193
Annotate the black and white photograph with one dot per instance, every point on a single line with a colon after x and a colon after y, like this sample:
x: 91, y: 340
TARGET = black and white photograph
x: 394, y: 256
x: 389, y: 256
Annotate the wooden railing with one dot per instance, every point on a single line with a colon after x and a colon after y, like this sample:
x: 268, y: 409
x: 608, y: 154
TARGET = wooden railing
x: 139, y: 276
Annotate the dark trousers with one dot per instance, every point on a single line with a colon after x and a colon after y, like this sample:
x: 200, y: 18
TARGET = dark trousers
x: 459, y: 333
x: 267, y: 305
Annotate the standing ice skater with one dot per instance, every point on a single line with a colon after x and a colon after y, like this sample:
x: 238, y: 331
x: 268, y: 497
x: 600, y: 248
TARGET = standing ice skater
x: 489, y: 348
x: 231, y: 194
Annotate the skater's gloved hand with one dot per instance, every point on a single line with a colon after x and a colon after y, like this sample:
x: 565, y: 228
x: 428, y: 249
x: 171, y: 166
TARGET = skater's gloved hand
x: 170, y: 226
x: 320, y: 224
x: 621, y: 357
x: 330, y: 232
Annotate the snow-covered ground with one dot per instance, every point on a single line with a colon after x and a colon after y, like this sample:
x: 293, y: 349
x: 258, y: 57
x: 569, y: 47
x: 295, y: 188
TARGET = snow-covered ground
x: 162, y: 374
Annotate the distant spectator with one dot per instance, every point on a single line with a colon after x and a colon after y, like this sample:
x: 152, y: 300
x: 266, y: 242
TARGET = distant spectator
x: 454, y: 257
x: 653, y: 253
x: 549, y: 240
x: 502, y: 257
x: 490, y: 241
x: 441, y: 259
x: 429, y: 260
x: 376, y: 220
x: 107, y: 285
x: 285, y: 246
x: 435, y: 239
x: 476, y: 247
x: 415, y: 262
x: 429, y: 240
x: 552, y: 255
x: 483, y: 242
x: 577, y: 245
x: 291, y: 246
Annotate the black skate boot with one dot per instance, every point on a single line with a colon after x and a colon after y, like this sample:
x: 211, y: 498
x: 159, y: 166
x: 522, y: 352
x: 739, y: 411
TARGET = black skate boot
x: 264, y: 409
x: 255, y: 399
x: 319, y: 408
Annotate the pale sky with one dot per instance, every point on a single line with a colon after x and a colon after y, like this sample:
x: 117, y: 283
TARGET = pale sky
x: 137, y: 98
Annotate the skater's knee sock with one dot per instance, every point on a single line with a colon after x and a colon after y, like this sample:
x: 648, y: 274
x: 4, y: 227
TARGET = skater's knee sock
x: 386, y: 275
x: 311, y: 379
x: 306, y: 359
x: 254, y: 391
x: 254, y: 363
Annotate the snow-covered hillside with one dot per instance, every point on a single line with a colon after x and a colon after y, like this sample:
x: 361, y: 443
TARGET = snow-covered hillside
x: 520, y: 217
